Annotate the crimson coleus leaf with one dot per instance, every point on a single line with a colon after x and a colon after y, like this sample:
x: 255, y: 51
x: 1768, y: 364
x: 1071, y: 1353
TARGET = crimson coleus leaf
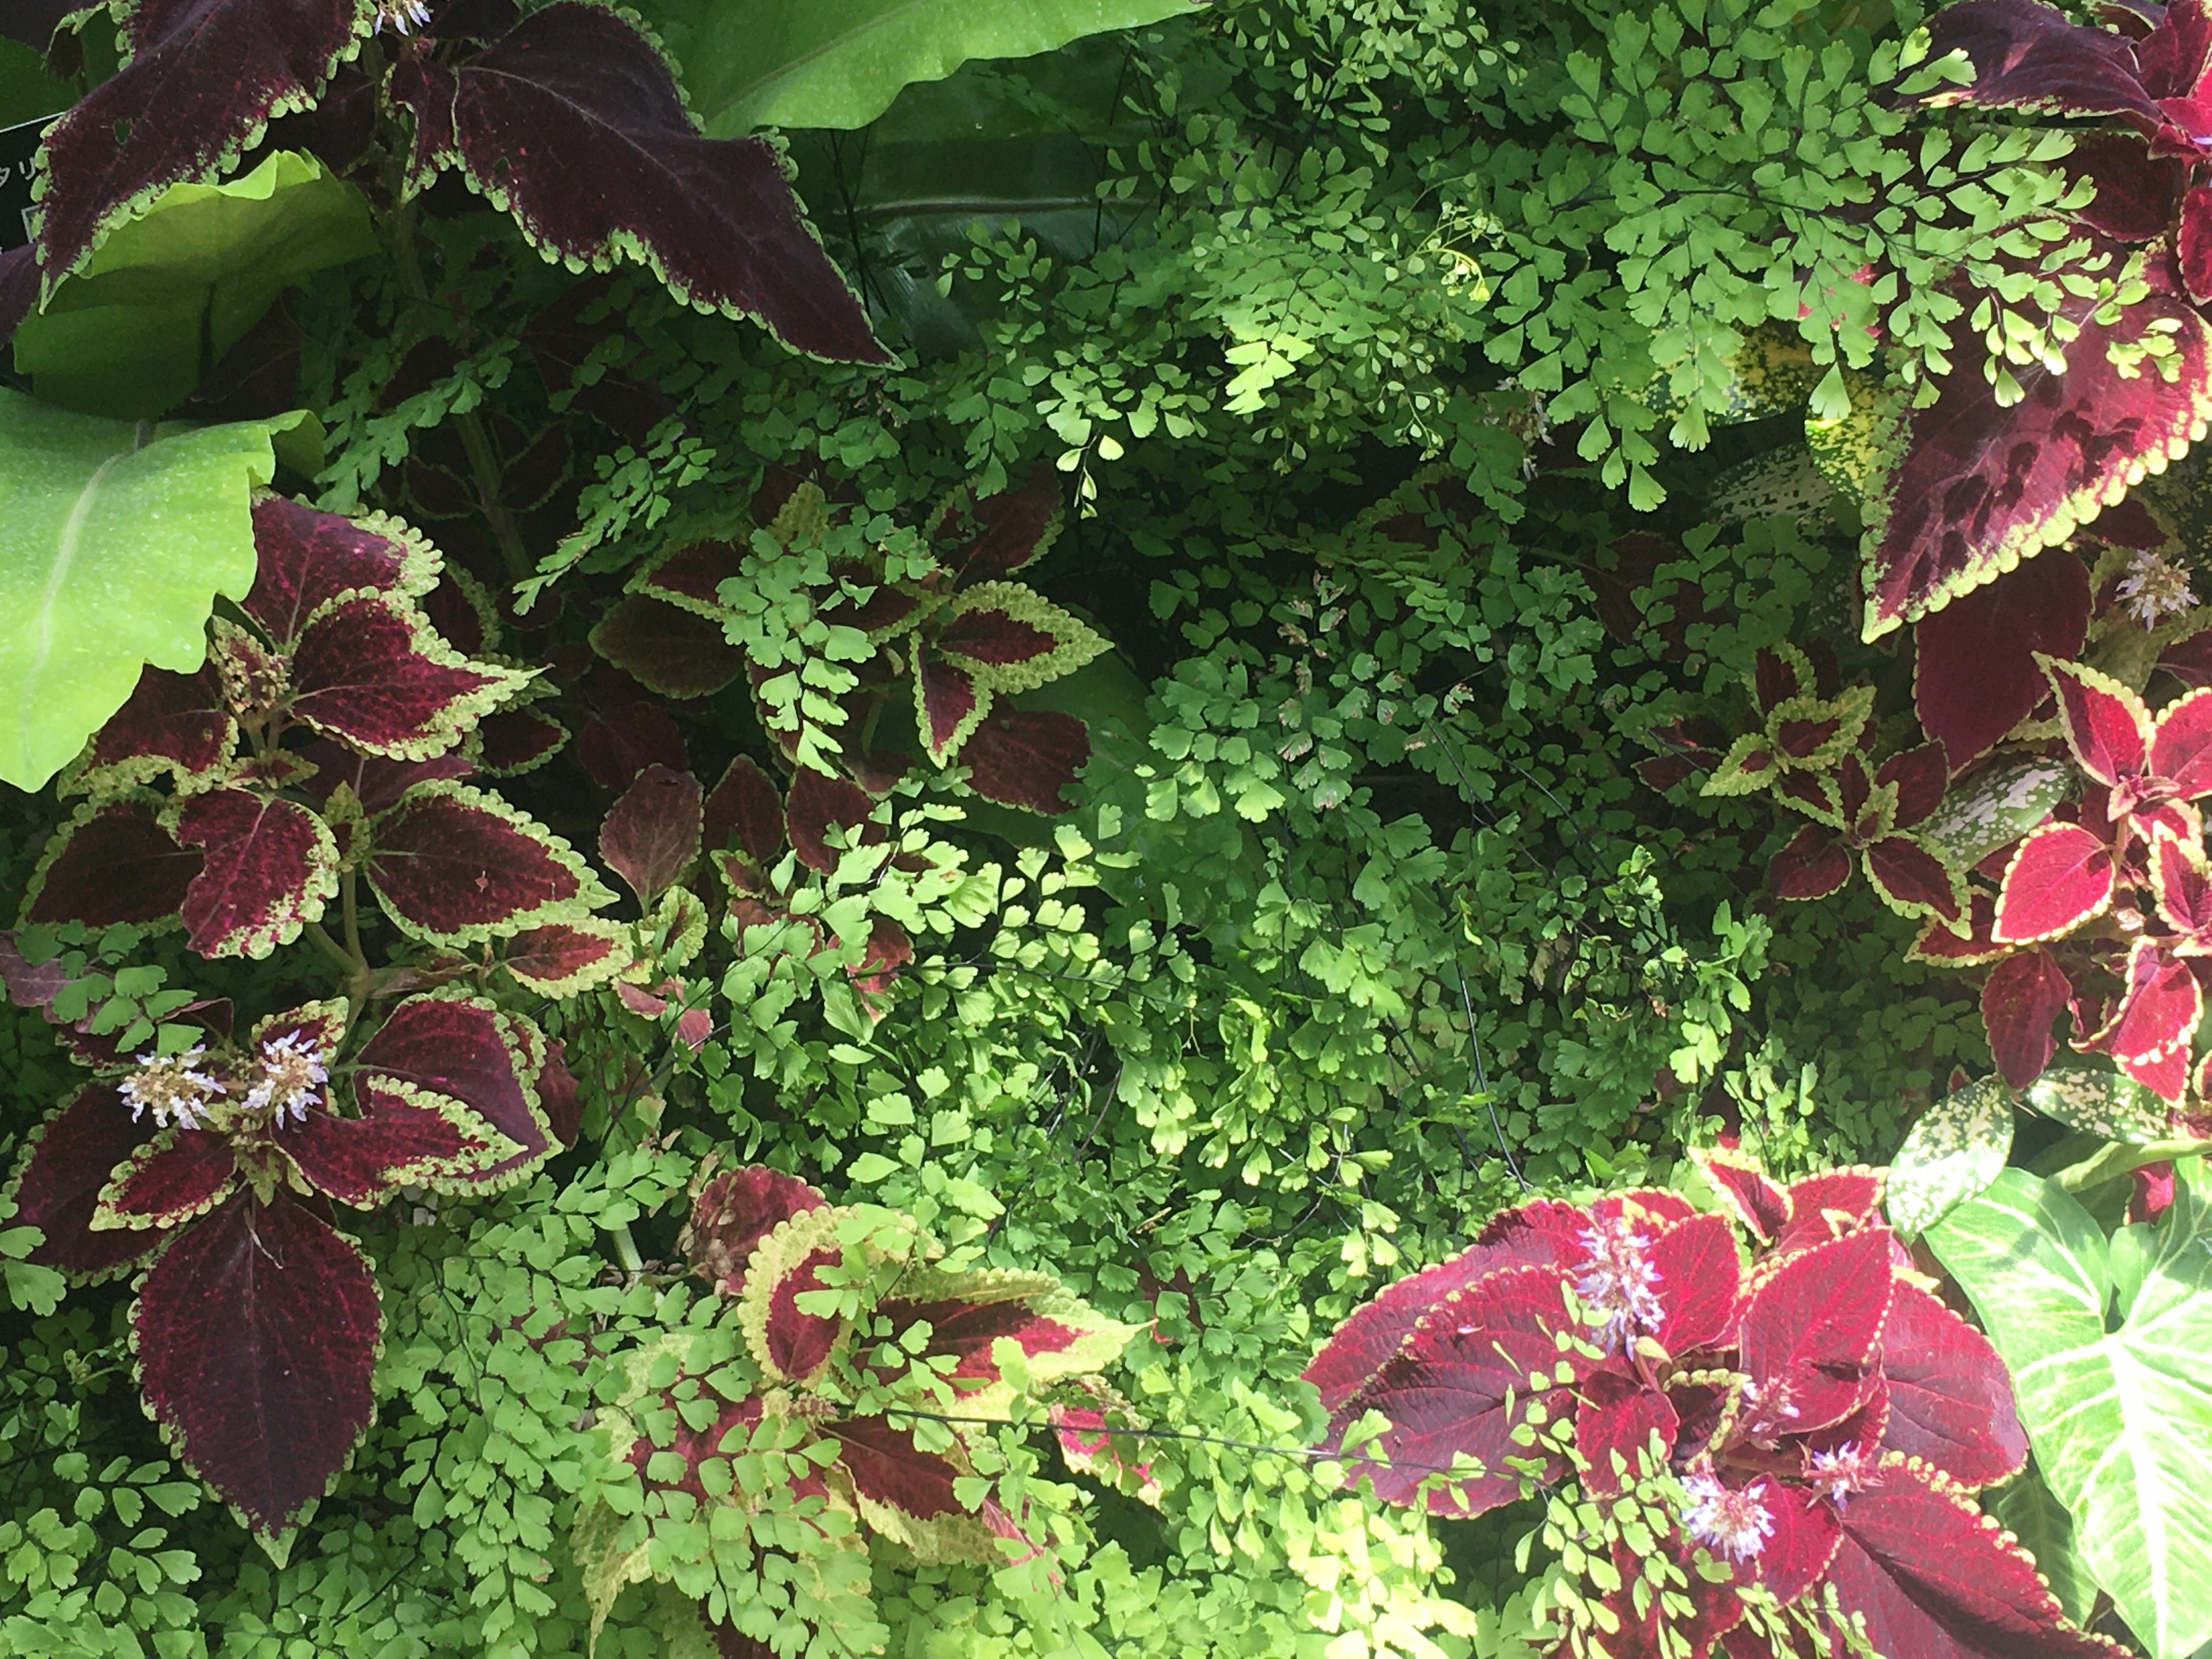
x: 573, y: 123
x: 1459, y: 1385
x: 1978, y: 486
x: 202, y: 79
x: 454, y: 865
x: 1935, y: 1577
x: 1812, y: 1331
x: 1027, y: 758
x: 464, y: 1048
x: 732, y: 1212
x: 650, y: 836
x: 271, y: 865
x: 304, y: 558
x: 1615, y: 1420
x: 2023, y: 994
x: 2060, y: 877
x: 980, y: 537
x: 1950, y: 1396
x: 1975, y: 675
x: 257, y: 1335
x: 1828, y: 1206
x: 791, y: 1344
x: 1761, y: 1205
x: 561, y: 958
x: 2026, y: 55
x: 178, y: 1175
x: 744, y: 810
x: 371, y: 672
x: 404, y: 1136
x: 912, y: 1495
x: 112, y: 862
x: 172, y: 723
x: 61, y: 1174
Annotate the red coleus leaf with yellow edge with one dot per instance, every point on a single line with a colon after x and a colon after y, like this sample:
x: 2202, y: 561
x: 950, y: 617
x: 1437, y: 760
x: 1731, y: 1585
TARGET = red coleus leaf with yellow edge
x: 732, y: 1212
x: 2026, y: 55
x: 173, y: 723
x: 112, y: 862
x: 652, y: 834
x: 256, y: 1335
x: 561, y: 958
x: 572, y: 122
x: 1759, y: 1203
x: 512, y: 741
x: 371, y: 672
x: 1828, y: 1206
x: 305, y: 558
x: 1978, y: 486
x: 2061, y: 876
x: 793, y: 1344
x: 2020, y: 998
x: 447, y: 1047
x: 200, y: 79
x: 1811, y: 1331
x: 270, y: 867
x: 2181, y: 885
x: 1950, y: 1398
x: 59, y: 1177
x: 981, y: 537
x: 1975, y: 673
x: 2153, y: 768
x: 454, y: 865
x: 912, y: 1495
x: 401, y: 1136
x: 2149, y: 1028
x: 676, y: 653
x: 1027, y: 758
x: 179, y: 1174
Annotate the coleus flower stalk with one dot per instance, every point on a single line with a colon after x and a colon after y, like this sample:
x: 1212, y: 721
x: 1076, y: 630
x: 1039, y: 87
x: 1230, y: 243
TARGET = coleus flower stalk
x: 956, y: 644
x: 1821, y: 1419
x: 871, y: 1406
x: 323, y: 742
x: 256, y: 1323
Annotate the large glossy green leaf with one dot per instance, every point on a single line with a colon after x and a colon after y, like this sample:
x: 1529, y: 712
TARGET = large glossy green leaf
x: 2121, y: 1421
x: 2024, y: 1508
x: 114, y: 540
x: 749, y: 63
x: 172, y: 289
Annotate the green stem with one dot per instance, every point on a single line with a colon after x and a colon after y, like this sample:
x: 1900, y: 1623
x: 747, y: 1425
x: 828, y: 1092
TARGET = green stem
x: 2116, y: 1160
x: 319, y: 936
x: 626, y: 1250
x: 351, y: 900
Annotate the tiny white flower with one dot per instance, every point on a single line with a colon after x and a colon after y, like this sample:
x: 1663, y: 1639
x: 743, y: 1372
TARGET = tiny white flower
x: 2154, y: 589
x: 1617, y: 1281
x: 292, y: 1076
x: 173, y: 1087
x: 1732, y: 1523
x: 1840, y: 1472
x: 399, y: 14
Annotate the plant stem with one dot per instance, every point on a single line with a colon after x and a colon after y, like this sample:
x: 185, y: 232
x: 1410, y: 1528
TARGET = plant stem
x: 626, y: 1250
x: 320, y: 937
x: 351, y: 900
x: 2117, y: 1159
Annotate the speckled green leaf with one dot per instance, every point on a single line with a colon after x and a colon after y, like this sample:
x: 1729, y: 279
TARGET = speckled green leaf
x: 750, y: 64
x: 1998, y: 805
x: 2100, y: 1103
x: 1954, y: 1152
x: 115, y: 540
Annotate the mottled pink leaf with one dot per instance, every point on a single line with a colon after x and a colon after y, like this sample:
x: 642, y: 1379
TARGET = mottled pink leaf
x: 733, y: 1212
x: 886, y: 1467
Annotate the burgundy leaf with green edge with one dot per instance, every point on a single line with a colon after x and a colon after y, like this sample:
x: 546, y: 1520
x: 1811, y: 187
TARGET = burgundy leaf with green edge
x: 200, y: 79
x: 1543, y: 1232
x: 173, y: 723
x: 573, y: 123
x: 1828, y: 1206
x: 1459, y: 1385
x: 112, y: 862
x: 61, y: 1174
x: 451, y: 863
x: 1759, y: 1203
x: 257, y: 1335
x: 1935, y: 1577
x: 465, y: 1048
x: 2021, y: 997
x: 2107, y: 728
x: 732, y: 1212
x: 1950, y: 1397
x: 949, y: 701
x: 981, y: 537
x: 402, y: 1137
x: 370, y: 672
x: 1026, y: 757
x: 1978, y: 488
x: 889, y: 1471
x: 1814, y: 864
x: 512, y: 741
x: 992, y: 635
x: 690, y: 575
x: 2061, y: 877
x: 1912, y: 881
x: 561, y: 958
x: 672, y: 652
x: 963, y: 1330
x: 616, y: 744
x: 375, y: 782
x: 1975, y: 675
x: 1617, y: 1416
x: 1812, y: 1331
x: 558, y: 1096
x: 179, y: 1174
x: 2135, y: 190
x: 2026, y: 55
x: 745, y: 809
x: 819, y: 803
x: 650, y: 836
x: 305, y: 558
x: 270, y: 867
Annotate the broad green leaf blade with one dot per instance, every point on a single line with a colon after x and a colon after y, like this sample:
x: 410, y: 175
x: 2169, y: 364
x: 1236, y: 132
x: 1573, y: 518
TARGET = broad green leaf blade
x: 750, y: 64
x: 172, y: 290
x: 1954, y: 1152
x: 2121, y: 1422
x: 2102, y: 1103
x: 2024, y: 1508
x: 111, y: 555
x: 27, y: 91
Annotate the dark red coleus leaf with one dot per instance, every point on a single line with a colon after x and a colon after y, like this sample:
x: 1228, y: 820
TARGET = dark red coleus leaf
x: 985, y: 1311
x: 1816, y: 863
x: 563, y: 957
x: 370, y: 672
x: 1979, y: 487
x: 2192, y: 243
x: 2135, y: 190
x: 1545, y: 1232
x: 112, y: 862
x: 1975, y: 676
x: 200, y: 78
x: 2021, y: 997
x: 180, y: 1174
x: 733, y: 1212
x: 819, y: 803
x: 399, y: 1139
x: 58, y: 1181
x: 1617, y: 1418
x: 2026, y: 55
x: 2149, y: 1031
x: 1828, y: 1206
x: 512, y: 741
x: 691, y: 574
x: 746, y: 812
x: 19, y: 288
x: 650, y: 836
x: 978, y: 538
x: 2061, y: 876
x: 795, y: 1343
x: 885, y: 955
x: 1763, y: 1207
x: 887, y: 1469
x: 672, y: 652
x: 558, y: 1096
x: 270, y: 867
x: 1950, y: 1397
x: 173, y: 723
x: 375, y: 782
x: 468, y: 1050
x: 574, y: 124
x: 1812, y: 1330
x: 305, y: 558
x: 1700, y: 1283
x: 1935, y: 1577
x: 1027, y: 758
x: 451, y: 863
x: 255, y: 1334
x: 948, y: 702
x: 1459, y: 1385
x: 618, y: 743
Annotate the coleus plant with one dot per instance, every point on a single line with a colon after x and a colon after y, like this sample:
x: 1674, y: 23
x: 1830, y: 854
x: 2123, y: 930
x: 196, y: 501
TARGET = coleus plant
x: 1787, y: 1444
x: 215, y: 1166
x: 846, y: 1388
x: 320, y: 747
x: 569, y: 118
x: 954, y: 642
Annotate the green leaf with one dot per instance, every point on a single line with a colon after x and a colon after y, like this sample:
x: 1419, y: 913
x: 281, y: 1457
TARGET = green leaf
x: 2121, y: 1421
x: 174, y: 289
x: 1954, y: 1152
x: 2024, y: 1508
x: 28, y: 93
x: 750, y: 64
x: 115, y: 541
x: 1994, y: 808
x: 2102, y: 1103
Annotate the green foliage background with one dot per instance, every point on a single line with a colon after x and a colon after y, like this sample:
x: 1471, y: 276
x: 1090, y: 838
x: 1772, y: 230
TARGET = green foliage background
x: 1364, y: 333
